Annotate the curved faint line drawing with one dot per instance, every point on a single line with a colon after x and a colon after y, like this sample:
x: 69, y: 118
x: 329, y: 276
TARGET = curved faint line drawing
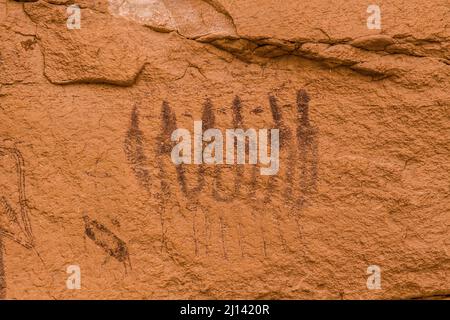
x: 14, y: 226
x: 20, y: 226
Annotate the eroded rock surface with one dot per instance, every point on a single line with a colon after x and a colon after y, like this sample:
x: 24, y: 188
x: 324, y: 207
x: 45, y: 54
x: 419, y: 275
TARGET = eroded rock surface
x: 363, y: 118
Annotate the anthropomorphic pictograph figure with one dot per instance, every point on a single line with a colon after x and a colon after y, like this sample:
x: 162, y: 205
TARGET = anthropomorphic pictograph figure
x: 194, y: 192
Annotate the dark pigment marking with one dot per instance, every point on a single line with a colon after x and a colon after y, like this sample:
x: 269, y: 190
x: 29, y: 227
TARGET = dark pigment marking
x: 28, y: 44
x: 107, y: 240
x: 307, y: 144
x: 134, y: 150
x: 285, y: 133
x: 300, y: 178
x: 238, y: 170
x: 169, y: 125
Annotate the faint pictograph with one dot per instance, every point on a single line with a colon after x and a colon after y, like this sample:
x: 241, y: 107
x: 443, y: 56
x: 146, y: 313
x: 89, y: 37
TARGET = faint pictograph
x: 374, y: 20
x: 229, y: 146
x: 201, y: 183
x: 134, y: 150
x: 14, y: 217
x: 107, y: 240
x: 143, y: 11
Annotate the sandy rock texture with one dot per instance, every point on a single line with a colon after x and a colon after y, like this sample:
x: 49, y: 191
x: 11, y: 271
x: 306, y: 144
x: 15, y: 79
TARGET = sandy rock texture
x: 86, y: 177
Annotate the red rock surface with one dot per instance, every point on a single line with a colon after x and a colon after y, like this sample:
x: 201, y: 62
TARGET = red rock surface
x: 85, y: 171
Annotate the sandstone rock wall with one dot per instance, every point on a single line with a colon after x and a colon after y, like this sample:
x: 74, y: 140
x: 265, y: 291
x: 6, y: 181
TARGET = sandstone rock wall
x: 86, y: 177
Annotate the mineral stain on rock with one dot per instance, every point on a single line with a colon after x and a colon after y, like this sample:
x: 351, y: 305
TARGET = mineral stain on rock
x: 29, y: 44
